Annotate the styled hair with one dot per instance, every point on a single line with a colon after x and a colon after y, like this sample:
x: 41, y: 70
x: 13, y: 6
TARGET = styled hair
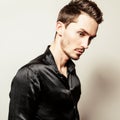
x: 74, y: 8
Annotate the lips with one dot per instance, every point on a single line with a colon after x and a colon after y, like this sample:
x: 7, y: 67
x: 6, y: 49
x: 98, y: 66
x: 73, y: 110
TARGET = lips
x: 79, y: 51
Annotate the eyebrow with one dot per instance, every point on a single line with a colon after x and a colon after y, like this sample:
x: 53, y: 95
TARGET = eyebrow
x: 92, y: 36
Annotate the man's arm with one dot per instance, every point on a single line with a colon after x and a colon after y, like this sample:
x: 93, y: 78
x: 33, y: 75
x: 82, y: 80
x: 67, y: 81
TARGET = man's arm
x: 24, y: 92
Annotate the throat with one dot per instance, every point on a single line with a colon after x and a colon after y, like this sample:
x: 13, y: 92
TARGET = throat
x: 59, y: 57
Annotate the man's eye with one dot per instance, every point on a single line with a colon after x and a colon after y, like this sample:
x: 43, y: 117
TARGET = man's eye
x: 81, y: 34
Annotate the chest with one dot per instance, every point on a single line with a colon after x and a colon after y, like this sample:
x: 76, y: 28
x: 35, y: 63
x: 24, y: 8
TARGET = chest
x: 59, y: 90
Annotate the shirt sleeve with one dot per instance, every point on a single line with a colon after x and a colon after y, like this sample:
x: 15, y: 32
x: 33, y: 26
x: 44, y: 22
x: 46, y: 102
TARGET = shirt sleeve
x: 25, y: 89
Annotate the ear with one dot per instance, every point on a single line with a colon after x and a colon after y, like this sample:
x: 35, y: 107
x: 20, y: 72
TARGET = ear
x: 60, y: 27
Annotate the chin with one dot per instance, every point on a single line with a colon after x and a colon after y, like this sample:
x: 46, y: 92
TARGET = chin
x: 75, y: 58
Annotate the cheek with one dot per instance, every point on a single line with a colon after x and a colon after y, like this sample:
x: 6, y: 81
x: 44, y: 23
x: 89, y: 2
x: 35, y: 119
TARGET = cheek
x: 69, y: 37
x: 72, y: 41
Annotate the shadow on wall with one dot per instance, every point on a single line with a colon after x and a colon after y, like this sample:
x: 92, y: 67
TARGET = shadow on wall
x: 101, y: 101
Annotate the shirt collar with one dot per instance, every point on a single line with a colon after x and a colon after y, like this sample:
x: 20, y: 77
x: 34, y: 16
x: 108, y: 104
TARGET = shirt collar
x: 50, y: 60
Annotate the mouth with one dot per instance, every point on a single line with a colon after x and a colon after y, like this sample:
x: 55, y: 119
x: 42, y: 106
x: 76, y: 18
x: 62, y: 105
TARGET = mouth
x: 79, y: 51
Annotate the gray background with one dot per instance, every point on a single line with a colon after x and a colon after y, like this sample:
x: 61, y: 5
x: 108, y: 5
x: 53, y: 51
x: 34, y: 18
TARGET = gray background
x: 28, y: 26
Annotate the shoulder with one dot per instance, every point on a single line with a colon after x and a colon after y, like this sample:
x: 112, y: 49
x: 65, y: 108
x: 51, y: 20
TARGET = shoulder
x: 36, y: 67
x: 25, y: 79
x: 31, y: 69
x: 24, y: 76
x: 27, y: 73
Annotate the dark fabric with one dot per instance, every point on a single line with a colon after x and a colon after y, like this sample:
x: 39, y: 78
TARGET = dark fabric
x: 40, y: 92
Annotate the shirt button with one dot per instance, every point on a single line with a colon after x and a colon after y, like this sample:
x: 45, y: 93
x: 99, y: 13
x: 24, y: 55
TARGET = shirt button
x: 61, y: 77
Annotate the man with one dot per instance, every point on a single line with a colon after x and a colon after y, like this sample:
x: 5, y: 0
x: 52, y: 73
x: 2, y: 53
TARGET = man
x: 48, y: 88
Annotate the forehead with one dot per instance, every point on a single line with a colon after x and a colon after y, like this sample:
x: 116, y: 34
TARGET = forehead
x: 84, y: 21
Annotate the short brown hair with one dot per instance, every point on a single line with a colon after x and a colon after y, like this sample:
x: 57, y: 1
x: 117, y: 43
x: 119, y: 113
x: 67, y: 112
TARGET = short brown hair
x: 74, y: 8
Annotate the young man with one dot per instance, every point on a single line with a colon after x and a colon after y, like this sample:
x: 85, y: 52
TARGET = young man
x: 48, y: 88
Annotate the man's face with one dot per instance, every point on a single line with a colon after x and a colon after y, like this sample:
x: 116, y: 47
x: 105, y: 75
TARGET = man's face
x: 78, y: 35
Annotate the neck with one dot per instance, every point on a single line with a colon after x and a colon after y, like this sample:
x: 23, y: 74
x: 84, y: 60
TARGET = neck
x: 59, y: 56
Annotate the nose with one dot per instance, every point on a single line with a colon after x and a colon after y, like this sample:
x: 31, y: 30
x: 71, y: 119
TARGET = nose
x: 85, y: 43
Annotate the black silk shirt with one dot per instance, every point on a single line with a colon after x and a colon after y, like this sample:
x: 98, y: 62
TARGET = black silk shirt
x: 40, y: 92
